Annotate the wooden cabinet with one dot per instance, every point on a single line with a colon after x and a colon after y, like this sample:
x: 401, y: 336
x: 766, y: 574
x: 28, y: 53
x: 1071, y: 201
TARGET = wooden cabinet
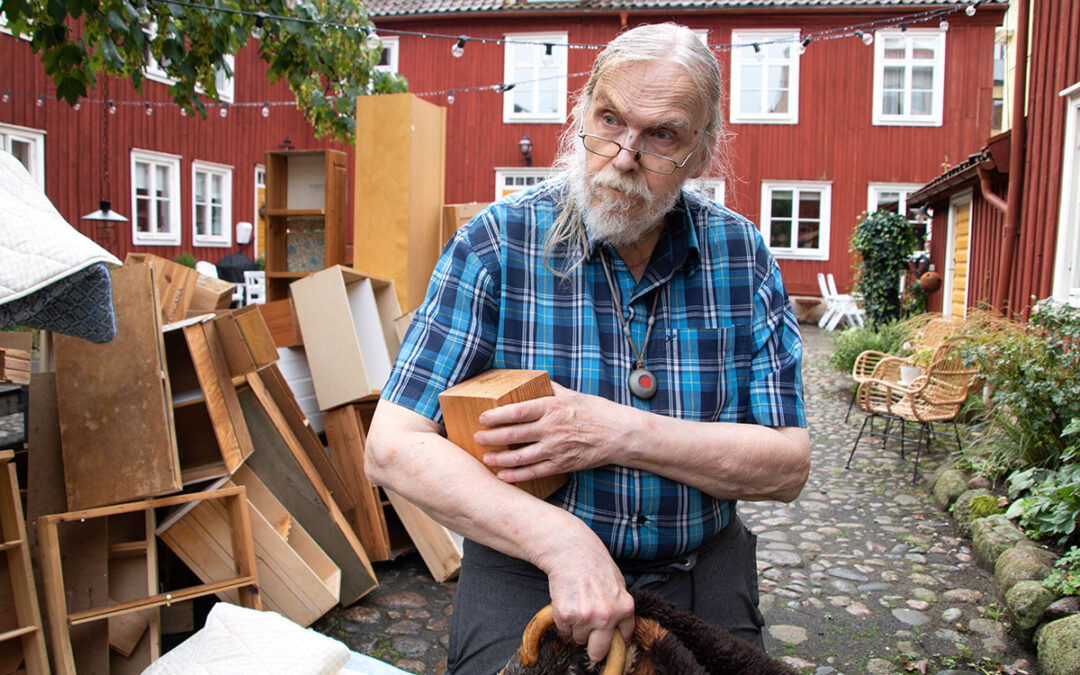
x: 305, y: 215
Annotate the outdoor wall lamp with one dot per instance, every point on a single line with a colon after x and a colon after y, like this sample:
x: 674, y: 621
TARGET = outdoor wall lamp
x: 525, y: 146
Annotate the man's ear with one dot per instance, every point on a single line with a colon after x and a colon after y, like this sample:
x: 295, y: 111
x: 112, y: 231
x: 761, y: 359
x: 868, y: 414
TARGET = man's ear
x: 699, y: 170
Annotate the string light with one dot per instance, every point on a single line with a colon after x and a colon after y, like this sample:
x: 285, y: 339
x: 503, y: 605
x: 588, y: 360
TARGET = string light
x: 257, y: 30
x: 970, y: 9
x: 183, y: 111
x: 548, y: 59
x: 112, y: 108
x: 77, y: 106
x: 40, y: 101
x: 450, y: 98
x: 6, y: 96
x: 943, y: 26
x: 265, y: 110
x: 373, y: 39
x: 223, y: 110
x: 804, y: 44
x: 149, y: 110
x: 458, y: 50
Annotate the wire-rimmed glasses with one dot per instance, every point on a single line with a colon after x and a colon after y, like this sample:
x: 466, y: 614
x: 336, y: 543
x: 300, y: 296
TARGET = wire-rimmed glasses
x: 605, y: 147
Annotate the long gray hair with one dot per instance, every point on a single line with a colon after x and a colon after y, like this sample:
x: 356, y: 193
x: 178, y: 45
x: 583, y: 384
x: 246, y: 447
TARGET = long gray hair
x: 650, y: 43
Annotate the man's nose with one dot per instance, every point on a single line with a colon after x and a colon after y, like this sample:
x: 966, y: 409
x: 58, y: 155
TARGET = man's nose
x: 626, y: 160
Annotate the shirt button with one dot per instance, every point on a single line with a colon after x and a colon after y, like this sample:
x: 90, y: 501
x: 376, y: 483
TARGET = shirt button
x: 641, y: 520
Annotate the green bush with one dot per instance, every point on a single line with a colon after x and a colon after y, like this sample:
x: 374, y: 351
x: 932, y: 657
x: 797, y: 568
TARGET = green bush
x: 1064, y: 579
x: 883, y: 241
x: 890, y: 338
x: 185, y: 259
x: 1051, y: 505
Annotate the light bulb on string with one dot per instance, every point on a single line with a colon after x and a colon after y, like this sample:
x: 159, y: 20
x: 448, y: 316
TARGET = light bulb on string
x: 943, y: 26
x: 373, y: 39
x: 804, y: 44
x: 257, y: 31
x: 112, y: 108
x: 40, y: 101
x: 183, y: 111
x: 265, y: 110
x: 450, y: 98
x: 77, y: 106
x: 458, y: 50
x: 548, y: 58
x: 223, y: 110
x: 757, y: 51
x: 6, y: 96
x: 970, y: 9
x: 149, y: 110
x: 867, y: 38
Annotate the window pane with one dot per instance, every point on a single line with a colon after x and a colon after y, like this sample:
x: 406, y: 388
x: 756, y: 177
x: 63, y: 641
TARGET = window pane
x: 888, y: 201
x: 21, y: 150
x: 750, y: 101
x: 164, y: 226
x: 200, y: 187
x: 810, y: 205
x: 215, y: 221
x: 778, y: 102
x: 200, y: 219
x: 523, y: 52
x: 161, y: 181
x: 142, y: 215
x: 780, y: 51
x: 895, y: 48
x: 890, y: 103
x: 922, y: 77
x: 921, y: 103
x: 142, y: 178
x: 216, y: 190
x: 893, y: 78
x: 780, y: 233
x: 808, y: 233
x: 923, y: 48
x: 782, y: 203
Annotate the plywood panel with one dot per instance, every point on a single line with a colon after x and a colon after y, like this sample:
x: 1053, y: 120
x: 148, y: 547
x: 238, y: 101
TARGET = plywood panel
x: 116, y: 422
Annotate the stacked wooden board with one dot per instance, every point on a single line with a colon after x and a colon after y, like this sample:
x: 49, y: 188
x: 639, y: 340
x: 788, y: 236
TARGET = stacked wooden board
x: 184, y: 431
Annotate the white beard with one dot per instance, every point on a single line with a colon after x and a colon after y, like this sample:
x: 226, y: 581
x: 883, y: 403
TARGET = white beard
x: 616, y: 219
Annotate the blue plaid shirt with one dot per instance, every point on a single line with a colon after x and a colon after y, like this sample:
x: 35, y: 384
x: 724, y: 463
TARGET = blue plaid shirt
x: 725, y: 346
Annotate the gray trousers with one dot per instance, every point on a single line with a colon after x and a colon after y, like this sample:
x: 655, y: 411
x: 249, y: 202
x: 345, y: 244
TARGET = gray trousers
x: 497, y: 595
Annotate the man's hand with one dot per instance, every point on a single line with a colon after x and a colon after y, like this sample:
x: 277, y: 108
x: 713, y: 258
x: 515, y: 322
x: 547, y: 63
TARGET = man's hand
x: 589, y: 597
x: 556, y: 434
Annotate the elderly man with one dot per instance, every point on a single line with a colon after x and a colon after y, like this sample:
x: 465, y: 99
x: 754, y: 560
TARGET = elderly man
x: 664, y: 325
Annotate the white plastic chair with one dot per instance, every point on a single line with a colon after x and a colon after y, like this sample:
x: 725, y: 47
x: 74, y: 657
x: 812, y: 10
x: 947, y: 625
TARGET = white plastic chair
x: 838, y: 306
x: 255, y: 287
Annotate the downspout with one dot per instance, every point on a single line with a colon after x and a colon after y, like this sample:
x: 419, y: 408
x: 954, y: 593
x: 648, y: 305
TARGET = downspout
x: 1017, y: 159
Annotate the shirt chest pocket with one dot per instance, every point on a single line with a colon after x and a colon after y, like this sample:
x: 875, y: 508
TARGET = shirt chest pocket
x: 708, y: 370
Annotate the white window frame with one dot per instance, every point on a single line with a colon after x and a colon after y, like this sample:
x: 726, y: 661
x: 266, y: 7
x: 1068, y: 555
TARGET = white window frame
x: 390, y: 46
x: 35, y: 138
x: 713, y: 187
x: 1067, y: 257
x: 505, y: 176
x: 743, y: 55
x: 934, y: 117
x: 153, y: 237
x: 821, y: 252
x: 209, y: 169
x: 875, y: 190
x: 226, y: 85
x: 559, y: 53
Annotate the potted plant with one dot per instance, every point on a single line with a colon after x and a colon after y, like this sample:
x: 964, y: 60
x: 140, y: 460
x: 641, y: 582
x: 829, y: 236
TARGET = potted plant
x: 917, y: 362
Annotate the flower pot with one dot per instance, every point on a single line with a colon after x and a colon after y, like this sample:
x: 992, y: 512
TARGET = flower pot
x: 908, y: 374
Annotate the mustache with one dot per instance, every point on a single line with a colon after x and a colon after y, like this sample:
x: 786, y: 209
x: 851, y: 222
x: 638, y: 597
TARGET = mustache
x: 621, y: 183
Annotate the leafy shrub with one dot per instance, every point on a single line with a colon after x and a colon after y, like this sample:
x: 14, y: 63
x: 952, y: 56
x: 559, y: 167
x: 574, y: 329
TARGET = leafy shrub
x: 1051, y: 507
x: 185, y: 259
x: 883, y: 240
x: 1064, y: 579
x: 892, y: 337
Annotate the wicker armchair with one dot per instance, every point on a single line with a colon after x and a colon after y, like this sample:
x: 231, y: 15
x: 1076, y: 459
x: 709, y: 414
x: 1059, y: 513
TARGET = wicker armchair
x: 932, y: 336
x: 935, y: 396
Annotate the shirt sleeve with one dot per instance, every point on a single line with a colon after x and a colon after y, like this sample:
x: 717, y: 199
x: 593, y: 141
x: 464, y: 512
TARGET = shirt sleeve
x: 453, y: 333
x: 776, y: 391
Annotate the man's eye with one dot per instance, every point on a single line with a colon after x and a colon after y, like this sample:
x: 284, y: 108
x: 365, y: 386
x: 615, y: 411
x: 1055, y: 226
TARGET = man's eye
x: 664, y: 136
x: 609, y: 120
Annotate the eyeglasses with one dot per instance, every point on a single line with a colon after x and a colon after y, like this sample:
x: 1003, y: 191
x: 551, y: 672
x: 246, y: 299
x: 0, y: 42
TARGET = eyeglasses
x: 650, y: 161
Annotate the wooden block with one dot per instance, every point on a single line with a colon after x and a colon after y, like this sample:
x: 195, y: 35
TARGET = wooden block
x: 14, y: 366
x: 280, y: 318
x: 290, y: 476
x: 245, y: 340
x: 210, y: 294
x: 347, y: 320
x: 115, y: 405
x: 296, y: 578
x: 437, y: 545
x: 345, y: 443
x: 463, y: 403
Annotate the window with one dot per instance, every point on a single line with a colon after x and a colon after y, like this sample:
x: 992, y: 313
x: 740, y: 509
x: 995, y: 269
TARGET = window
x: 795, y: 219
x: 711, y: 187
x: 508, y: 181
x: 223, y: 80
x: 539, y: 78
x: 1067, y: 265
x: 893, y: 197
x: 765, y: 77
x: 909, y: 77
x: 211, y: 204
x: 28, y: 146
x: 155, y: 198
x: 388, y: 60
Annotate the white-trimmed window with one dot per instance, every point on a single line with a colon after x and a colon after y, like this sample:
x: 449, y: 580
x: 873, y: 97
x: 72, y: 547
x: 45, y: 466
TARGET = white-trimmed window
x: 535, y: 63
x: 211, y: 204
x: 892, y: 197
x: 1067, y: 265
x: 388, y: 60
x: 224, y: 81
x: 155, y: 198
x: 710, y: 186
x: 508, y: 181
x: 765, y: 76
x: 795, y: 218
x: 28, y: 146
x: 909, y: 77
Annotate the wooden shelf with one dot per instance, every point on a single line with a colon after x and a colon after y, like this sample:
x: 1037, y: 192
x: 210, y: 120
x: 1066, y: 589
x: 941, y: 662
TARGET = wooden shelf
x: 286, y: 275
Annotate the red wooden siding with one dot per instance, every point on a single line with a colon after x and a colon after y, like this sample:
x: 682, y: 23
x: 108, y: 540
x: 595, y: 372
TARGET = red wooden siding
x: 833, y: 141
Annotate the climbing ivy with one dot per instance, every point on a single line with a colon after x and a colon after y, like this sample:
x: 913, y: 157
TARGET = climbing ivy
x: 883, y: 240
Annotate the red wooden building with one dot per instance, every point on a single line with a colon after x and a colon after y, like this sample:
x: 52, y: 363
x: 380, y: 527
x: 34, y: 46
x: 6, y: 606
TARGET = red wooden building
x: 983, y: 262
x: 824, y: 130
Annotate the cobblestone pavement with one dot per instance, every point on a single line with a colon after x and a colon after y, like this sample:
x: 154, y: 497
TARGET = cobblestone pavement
x: 861, y: 574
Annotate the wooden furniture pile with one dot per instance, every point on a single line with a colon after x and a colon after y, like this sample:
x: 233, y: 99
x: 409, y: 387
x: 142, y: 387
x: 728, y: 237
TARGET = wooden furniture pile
x: 183, y: 430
